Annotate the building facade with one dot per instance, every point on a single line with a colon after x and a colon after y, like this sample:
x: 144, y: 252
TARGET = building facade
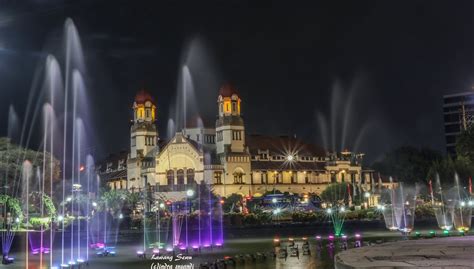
x: 229, y: 159
x: 458, y: 111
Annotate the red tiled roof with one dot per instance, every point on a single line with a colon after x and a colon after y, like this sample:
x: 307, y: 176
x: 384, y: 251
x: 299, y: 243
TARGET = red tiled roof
x: 227, y: 90
x: 283, y: 145
x: 143, y: 96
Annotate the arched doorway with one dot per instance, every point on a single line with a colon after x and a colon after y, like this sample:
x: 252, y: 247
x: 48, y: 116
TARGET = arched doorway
x: 170, y: 179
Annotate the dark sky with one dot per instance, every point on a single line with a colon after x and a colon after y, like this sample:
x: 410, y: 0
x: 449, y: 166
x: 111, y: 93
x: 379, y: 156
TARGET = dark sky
x: 396, y: 58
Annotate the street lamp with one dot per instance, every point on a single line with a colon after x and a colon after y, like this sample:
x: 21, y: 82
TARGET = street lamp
x: 190, y: 193
x: 290, y: 158
x: 162, y: 205
x: 274, y: 200
x: 277, y: 211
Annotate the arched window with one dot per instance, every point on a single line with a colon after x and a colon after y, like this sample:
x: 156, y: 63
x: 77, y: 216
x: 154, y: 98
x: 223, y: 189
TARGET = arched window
x: 238, y: 176
x: 170, y: 179
x: 190, y: 176
x: 180, y: 175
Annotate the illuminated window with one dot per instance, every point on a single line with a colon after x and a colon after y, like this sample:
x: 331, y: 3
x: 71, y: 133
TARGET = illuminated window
x: 238, y: 178
x: 293, y: 178
x: 227, y: 107
x: 218, y: 177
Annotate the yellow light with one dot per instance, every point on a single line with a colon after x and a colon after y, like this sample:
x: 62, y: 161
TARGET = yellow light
x: 140, y: 112
x: 227, y: 108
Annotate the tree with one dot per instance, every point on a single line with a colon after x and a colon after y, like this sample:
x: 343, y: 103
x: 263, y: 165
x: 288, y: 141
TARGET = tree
x: 11, y: 160
x: 113, y: 201
x: 446, y: 169
x: 465, y: 145
x: 408, y: 164
x: 336, y: 193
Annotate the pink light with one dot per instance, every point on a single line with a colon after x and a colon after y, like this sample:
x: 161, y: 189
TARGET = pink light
x: 195, y: 247
x: 357, y: 235
x: 318, y: 237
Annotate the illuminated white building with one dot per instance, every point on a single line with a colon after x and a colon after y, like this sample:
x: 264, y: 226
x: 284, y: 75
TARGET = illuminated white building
x: 226, y: 157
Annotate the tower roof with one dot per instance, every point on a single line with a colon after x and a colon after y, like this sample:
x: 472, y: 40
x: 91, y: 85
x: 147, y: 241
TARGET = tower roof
x: 227, y: 90
x: 143, y: 96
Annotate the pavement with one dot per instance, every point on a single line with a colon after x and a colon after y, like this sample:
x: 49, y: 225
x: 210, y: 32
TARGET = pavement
x: 437, y: 253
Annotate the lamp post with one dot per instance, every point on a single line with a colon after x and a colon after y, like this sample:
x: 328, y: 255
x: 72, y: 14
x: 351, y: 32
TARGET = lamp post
x: 367, y: 195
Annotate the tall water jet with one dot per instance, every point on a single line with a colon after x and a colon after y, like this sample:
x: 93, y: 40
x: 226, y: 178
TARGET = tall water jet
x: 443, y: 215
x: 387, y: 208
x: 399, y: 213
x: 460, y: 206
x: 27, y: 173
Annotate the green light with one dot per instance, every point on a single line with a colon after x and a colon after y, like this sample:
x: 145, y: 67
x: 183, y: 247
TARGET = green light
x: 446, y: 233
x: 417, y: 234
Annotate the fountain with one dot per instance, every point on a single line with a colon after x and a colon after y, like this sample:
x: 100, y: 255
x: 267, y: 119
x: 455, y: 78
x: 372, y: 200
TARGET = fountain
x: 443, y: 214
x: 60, y: 110
x: 460, y: 205
x: 399, y: 210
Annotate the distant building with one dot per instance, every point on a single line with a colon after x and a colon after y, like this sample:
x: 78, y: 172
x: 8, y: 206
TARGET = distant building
x: 113, y: 170
x: 224, y: 156
x: 458, y: 111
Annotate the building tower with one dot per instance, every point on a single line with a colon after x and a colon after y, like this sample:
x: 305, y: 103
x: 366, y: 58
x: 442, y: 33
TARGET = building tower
x: 230, y: 130
x: 143, y: 132
x: 143, y: 142
x: 230, y: 138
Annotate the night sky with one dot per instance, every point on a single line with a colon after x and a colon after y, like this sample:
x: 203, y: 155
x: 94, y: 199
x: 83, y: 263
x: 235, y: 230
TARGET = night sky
x: 397, y: 58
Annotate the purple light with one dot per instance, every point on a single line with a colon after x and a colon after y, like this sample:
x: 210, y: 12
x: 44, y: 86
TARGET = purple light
x: 169, y: 249
x: 98, y: 245
x: 139, y: 252
x: 357, y: 235
x: 318, y: 237
x: 331, y: 237
x: 182, y: 248
x: 218, y: 244
x: 195, y: 247
x: 344, y: 237
x: 206, y: 245
x: 156, y: 251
